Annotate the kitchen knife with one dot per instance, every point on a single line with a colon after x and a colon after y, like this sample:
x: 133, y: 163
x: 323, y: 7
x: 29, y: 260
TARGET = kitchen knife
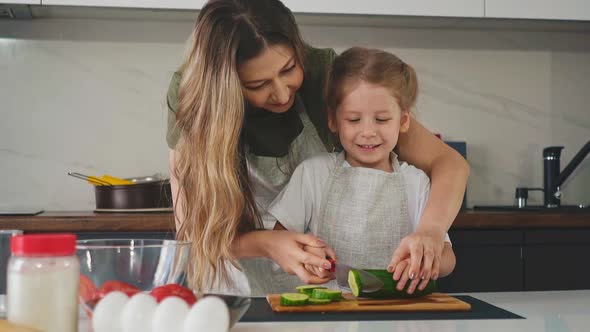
x: 369, y: 281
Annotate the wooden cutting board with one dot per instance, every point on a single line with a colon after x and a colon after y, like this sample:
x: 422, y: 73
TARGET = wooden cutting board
x: 432, y: 302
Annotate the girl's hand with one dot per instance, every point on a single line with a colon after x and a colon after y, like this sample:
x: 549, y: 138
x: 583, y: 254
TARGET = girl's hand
x: 423, y: 249
x: 286, y: 249
x: 320, y: 252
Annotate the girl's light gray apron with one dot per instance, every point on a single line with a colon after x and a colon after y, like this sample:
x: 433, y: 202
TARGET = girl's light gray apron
x: 364, y: 215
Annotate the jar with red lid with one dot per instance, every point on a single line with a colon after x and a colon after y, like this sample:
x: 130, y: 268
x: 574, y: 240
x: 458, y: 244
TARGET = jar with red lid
x: 42, y: 282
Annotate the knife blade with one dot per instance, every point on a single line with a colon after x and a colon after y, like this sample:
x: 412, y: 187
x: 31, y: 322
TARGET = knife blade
x: 369, y: 281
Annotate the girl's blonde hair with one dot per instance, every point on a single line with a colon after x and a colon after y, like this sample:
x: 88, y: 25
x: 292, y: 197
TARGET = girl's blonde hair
x: 218, y: 202
x: 372, y: 66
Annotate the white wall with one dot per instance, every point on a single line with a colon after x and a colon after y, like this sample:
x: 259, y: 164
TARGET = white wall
x: 88, y: 96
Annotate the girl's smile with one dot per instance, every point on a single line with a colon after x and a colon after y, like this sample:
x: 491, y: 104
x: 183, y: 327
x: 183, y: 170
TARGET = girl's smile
x: 369, y: 147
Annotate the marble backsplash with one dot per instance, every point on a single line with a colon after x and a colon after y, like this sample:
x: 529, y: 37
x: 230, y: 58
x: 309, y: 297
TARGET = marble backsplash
x: 88, y: 96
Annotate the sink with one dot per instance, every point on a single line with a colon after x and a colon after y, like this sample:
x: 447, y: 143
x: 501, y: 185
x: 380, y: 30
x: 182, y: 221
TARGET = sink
x: 534, y: 208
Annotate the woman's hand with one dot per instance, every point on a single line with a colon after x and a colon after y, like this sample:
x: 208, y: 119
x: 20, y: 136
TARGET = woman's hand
x: 421, y: 251
x: 286, y: 248
x: 402, y: 274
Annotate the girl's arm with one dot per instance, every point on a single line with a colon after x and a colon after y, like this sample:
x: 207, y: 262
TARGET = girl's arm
x: 447, y: 260
x: 448, y: 172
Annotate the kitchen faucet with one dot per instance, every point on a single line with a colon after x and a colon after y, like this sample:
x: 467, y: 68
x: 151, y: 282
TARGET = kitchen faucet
x: 552, y: 178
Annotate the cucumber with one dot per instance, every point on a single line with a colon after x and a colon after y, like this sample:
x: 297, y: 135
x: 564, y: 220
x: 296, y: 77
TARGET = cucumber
x: 354, y: 282
x: 319, y: 301
x: 308, y: 289
x: 294, y: 299
x: 389, y: 290
x: 329, y: 294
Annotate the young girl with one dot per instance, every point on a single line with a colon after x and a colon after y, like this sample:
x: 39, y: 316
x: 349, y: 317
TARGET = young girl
x: 362, y: 201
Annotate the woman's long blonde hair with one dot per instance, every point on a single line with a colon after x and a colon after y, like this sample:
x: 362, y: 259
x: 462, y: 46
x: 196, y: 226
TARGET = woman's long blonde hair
x: 218, y: 202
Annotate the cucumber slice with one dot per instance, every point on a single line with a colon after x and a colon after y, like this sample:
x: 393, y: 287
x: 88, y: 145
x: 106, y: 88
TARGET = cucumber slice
x: 294, y: 299
x: 354, y: 282
x: 308, y: 289
x: 389, y: 290
x: 319, y: 301
x: 330, y: 294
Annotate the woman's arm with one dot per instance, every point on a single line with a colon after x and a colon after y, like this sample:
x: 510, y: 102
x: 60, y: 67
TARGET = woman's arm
x: 448, y: 172
x: 447, y: 169
x: 284, y: 247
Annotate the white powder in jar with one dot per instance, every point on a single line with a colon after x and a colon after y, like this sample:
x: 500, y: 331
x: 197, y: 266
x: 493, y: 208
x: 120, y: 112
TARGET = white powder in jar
x: 42, y: 292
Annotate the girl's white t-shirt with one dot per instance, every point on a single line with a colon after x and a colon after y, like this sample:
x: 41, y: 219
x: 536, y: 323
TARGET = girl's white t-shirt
x: 297, y: 207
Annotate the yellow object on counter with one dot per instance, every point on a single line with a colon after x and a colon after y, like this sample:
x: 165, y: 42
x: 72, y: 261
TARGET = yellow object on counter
x: 105, y: 180
x: 6, y: 326
x: 115, y: 181
x: 100, y: 181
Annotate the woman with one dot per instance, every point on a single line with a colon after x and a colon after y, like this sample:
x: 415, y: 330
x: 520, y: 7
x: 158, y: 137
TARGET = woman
x: 245, y: 109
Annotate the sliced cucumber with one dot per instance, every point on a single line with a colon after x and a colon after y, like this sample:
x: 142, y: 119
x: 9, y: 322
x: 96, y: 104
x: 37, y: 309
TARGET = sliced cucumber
x: 294, y: 299
x: 319, y: 301
x: 389, y: 290
x: 354, y: 282
x: 330, y: 294
x: 308, y: 289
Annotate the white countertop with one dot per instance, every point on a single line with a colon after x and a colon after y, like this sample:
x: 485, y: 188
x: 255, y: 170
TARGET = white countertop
x: 557, y: 311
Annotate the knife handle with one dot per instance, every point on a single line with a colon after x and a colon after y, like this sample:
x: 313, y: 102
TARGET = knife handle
x: 332, y: 263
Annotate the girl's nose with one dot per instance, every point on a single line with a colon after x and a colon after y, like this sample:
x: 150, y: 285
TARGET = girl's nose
x: 368, y: 130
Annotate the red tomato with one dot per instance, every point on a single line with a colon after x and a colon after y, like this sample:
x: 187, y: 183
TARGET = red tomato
x: 86, y: 289
x: 113, y: 285
x: 162, y: 292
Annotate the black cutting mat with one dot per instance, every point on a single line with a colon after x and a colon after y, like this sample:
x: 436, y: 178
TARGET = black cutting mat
x: 260, y: 311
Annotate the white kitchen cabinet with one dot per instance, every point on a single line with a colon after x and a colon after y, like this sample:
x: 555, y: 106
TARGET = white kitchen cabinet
x: 20, y: 2
x: 539, y: 9
x: 451, y: 8
x: 163, y: 4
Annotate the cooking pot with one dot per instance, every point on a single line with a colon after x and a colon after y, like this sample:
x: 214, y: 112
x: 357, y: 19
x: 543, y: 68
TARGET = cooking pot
x: 138, y: 196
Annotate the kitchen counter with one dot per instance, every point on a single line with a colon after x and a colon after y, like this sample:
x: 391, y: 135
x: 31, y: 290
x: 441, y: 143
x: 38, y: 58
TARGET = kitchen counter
x: 543, y: 311
x: 87, y: 221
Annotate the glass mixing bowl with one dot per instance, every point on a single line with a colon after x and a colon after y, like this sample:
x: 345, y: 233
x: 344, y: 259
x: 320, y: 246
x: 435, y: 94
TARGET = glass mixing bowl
x: 141, y: 263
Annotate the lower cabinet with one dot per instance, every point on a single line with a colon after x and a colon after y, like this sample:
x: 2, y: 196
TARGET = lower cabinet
x: 487, y: 261
x: 519, y: 260
x: 557, y: 259
x: 485, y: 269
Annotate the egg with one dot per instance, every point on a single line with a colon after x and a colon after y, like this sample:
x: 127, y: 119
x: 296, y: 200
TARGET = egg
x: 208, y: 314
x: 106, y: 316
x: 170, y: 315
x: 137, y: 313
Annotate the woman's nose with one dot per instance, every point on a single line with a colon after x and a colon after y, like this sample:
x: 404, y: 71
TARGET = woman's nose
x: 281, y: 93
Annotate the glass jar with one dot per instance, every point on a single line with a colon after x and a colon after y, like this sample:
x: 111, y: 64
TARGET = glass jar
x: 42, y: 282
